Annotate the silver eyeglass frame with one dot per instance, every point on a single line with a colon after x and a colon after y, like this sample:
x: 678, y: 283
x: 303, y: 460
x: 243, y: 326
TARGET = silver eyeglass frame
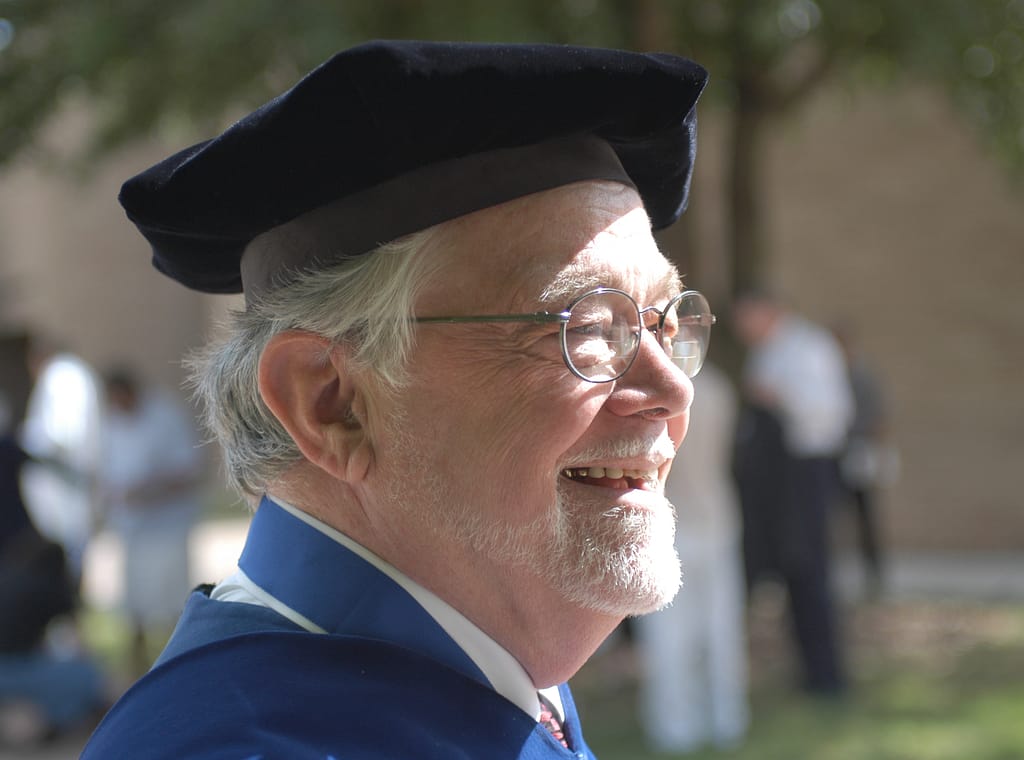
x: 564, y: 317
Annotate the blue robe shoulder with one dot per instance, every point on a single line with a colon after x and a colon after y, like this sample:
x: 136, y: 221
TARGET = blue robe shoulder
x: 283, y: 693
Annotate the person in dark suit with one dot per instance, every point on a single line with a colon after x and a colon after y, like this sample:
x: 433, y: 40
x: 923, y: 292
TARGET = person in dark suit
x: 453, y: 397
x: 869, y: 461
x: 43, y: 692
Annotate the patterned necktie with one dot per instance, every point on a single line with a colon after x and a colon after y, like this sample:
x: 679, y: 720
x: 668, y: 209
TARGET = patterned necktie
x: 549, y: 720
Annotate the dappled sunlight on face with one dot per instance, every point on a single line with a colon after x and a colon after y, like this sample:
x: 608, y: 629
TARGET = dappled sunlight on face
x: 475, y: 450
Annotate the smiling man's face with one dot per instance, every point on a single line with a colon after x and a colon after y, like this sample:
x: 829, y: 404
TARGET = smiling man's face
x: 494, y: 444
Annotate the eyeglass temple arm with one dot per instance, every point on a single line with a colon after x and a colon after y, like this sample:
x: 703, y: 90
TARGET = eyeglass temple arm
x: 541, y: 316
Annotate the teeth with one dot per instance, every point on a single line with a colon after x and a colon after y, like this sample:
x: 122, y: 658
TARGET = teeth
x: 615, y: 473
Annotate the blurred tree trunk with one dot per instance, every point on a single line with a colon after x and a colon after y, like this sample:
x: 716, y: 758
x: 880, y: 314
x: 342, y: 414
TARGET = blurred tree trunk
x: 745, y: 228
x: 745, y: 233
x: 765, y: 86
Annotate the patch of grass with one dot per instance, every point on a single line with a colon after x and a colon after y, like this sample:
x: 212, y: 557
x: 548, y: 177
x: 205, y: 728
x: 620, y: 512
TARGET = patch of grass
x: 932, y: 681
x: 108, y: 635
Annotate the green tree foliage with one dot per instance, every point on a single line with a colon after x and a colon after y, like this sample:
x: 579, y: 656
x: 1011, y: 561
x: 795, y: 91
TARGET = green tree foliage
x: 768, y: 56
x: 146, y: 66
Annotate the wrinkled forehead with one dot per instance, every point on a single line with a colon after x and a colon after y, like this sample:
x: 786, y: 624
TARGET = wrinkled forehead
x: 648, y: 279
x: 542, y: 250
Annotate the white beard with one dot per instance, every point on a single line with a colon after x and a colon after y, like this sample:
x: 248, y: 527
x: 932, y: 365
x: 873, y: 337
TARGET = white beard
x: 619, y: 561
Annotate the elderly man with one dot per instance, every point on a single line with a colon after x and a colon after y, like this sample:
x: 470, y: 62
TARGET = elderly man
x: 455, y: 393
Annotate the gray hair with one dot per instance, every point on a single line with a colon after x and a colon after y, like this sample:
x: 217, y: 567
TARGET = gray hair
x: 365, y: 303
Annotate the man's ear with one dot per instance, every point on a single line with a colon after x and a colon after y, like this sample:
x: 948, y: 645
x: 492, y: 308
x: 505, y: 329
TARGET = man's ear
x: 305, y: 382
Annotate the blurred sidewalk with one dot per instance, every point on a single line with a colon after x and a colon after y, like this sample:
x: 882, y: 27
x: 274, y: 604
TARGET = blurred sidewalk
x: 981, y: 576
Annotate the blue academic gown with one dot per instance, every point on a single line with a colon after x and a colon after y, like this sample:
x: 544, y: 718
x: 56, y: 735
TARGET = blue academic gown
x: 240, y: 682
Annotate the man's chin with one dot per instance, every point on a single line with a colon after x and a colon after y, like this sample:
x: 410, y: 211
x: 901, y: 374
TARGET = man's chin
x: 633, y: 581
x: 658, y: 598
x: 623, y: 603
x: 658, y: 586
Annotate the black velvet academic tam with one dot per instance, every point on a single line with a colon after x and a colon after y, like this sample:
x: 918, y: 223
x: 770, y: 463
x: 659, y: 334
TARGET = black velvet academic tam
x: 388, y: 138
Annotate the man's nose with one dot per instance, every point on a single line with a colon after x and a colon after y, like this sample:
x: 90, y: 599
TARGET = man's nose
x: 654, y: 387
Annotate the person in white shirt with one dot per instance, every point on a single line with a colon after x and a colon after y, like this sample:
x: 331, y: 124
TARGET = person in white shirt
x: 149, y: 480
x: 63, y: 425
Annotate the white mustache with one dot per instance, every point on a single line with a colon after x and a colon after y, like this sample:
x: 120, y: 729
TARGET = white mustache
x: 659, y: 449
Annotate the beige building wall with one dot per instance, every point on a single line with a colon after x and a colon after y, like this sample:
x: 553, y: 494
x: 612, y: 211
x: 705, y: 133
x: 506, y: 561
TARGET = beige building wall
x: 74, y: 269
x: 882, y: 210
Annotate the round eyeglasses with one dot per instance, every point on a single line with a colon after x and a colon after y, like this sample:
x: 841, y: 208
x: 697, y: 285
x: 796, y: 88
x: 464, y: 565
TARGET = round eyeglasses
x: 601, y: 331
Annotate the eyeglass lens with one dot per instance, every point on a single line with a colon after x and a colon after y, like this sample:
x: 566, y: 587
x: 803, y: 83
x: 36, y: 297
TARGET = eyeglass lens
x: 687, y: 331
x: 602, y: 336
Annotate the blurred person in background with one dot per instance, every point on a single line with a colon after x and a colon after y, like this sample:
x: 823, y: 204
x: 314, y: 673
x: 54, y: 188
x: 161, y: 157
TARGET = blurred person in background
x: 63, y: 423
x: 799, y: 411
x: 694, y: 652
x: 150, y: 485
x: 869, y: 462
x: 48, y: 684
